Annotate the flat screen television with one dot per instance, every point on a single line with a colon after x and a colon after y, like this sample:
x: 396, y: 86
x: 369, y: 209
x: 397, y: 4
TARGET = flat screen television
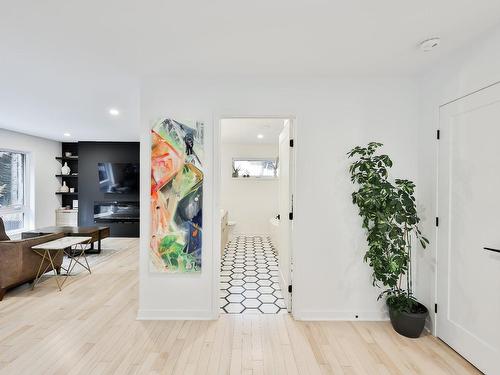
x: 118, y: 178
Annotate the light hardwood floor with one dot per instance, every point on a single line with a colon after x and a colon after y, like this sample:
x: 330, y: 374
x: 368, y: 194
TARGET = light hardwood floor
x: 90, y: 328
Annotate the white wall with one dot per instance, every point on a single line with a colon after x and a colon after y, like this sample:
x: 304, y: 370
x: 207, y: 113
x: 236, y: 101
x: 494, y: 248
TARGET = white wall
x: 333, y: 115
x: 249, y: 202
x: 473, y: 67
x: 44, y: 167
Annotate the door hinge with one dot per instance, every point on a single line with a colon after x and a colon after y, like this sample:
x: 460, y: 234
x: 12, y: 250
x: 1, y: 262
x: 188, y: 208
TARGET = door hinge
x: 290, y: 288
x: 437, y: 221
x: 436, y: 308
x: 290, y: 215
x: 291, y: 142
x: 438, y: 134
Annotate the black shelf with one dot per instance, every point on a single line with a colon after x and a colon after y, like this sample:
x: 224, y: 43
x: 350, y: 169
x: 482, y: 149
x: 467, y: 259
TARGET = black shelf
x: 71, y: 179
x: 65, y: 158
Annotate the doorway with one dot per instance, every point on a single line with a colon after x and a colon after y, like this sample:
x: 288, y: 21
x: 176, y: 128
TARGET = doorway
x: 468, y: 250
x: 256, y: 210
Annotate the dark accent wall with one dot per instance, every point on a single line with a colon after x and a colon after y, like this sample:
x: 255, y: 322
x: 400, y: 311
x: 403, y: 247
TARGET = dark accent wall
x: 90, y: 154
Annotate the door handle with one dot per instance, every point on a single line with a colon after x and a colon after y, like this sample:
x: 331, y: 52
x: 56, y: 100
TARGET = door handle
x: 490, y: 249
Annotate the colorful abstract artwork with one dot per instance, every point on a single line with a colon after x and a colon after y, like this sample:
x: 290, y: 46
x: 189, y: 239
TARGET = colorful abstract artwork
x: 176, y: 195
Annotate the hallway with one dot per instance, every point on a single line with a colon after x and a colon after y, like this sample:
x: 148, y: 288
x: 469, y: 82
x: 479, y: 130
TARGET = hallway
x: 249, y: 277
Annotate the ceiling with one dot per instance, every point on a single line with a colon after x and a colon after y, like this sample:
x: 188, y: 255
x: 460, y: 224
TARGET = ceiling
x: 246, y: 130
x: 63, y: 64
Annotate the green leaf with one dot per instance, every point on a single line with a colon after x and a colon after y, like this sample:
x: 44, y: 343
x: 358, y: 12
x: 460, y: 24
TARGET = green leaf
x: 389, y: 217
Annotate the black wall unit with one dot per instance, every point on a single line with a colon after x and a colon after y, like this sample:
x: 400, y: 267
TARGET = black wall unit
x: 69, y: 154
x: 90, y: 155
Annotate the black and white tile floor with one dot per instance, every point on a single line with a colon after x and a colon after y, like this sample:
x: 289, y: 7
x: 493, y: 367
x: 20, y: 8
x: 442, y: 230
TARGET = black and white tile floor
x: 249, y: 277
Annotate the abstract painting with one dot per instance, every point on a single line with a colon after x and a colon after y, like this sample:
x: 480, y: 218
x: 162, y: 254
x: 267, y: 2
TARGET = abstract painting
x: 176, y: 195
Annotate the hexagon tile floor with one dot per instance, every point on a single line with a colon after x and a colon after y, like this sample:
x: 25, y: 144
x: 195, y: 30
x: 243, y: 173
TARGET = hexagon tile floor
x: 249, y: 277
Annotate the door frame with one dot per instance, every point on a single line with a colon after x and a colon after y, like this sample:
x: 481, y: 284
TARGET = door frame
x: 437, y: 298
x: 216, y: 162
x: 453, y: 334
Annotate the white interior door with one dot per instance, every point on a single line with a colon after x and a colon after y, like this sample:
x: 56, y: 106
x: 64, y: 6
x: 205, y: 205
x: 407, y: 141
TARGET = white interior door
x: 285, y: 208
x: 468, y: 276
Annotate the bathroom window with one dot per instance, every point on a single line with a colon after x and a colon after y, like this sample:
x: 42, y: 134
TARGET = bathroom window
x: 255, y: 168
x: 13, y: 201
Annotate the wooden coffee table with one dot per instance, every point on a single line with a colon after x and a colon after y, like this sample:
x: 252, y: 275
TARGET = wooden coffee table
x: 96, y: 233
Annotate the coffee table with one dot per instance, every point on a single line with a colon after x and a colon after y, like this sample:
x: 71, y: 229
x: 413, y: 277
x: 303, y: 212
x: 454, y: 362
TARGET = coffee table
x: 74, y: 247
x: 97, y: 233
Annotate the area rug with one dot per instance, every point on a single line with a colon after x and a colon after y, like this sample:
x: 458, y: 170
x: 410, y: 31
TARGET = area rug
x: 109, y: 249
x: 92, y: 259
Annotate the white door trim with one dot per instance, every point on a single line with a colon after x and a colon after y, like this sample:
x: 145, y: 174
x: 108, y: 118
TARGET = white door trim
x: 465, y: 104
x: 216, y: 162
x: 435, y: 327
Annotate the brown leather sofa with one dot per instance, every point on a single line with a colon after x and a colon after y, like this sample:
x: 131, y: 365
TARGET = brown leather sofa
x: 19, y: 264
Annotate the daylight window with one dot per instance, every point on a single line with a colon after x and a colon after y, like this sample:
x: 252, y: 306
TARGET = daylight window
x: 13, y: 189
x: 257, y: 168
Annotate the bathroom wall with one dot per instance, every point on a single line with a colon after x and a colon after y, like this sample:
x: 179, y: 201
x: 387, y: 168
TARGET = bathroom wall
x: 250, y: 202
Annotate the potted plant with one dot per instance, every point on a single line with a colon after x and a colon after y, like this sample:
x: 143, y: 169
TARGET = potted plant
x: 389, y: 215
x: 236, y: 172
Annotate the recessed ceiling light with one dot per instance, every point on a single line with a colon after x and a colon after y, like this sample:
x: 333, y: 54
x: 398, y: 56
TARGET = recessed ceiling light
x: 114, y: 112
x: 429, y: 44
x: 260, y: 136
x: 67, y: 135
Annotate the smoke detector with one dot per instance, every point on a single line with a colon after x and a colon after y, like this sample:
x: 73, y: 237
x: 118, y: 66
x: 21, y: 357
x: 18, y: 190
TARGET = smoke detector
x: 430, y: 44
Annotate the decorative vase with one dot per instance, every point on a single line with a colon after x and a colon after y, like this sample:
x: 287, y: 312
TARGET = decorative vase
x: 65, y: 170
x: 64, y: 188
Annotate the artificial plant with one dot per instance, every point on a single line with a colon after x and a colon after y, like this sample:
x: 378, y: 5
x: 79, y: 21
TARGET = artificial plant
x: 389, y: 215
x: 236, y: 171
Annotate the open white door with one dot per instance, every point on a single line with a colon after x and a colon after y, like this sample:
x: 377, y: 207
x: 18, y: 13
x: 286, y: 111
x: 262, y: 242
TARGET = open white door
x: 468, y: 251
x: 285, y: 210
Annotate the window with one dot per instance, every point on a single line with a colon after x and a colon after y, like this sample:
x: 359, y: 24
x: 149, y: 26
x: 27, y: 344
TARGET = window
x: 13, y: 200
x: 257, y: 168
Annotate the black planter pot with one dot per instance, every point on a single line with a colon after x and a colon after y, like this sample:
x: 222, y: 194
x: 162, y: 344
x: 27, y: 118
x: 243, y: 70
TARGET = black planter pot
x: 409, y: 324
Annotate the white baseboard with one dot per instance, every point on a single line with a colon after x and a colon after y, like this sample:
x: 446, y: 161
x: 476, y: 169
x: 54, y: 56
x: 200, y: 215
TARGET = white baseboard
x: 176, y: 315
x: 297, y: 315
x: 341, y: 315
x: 429, y: 327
